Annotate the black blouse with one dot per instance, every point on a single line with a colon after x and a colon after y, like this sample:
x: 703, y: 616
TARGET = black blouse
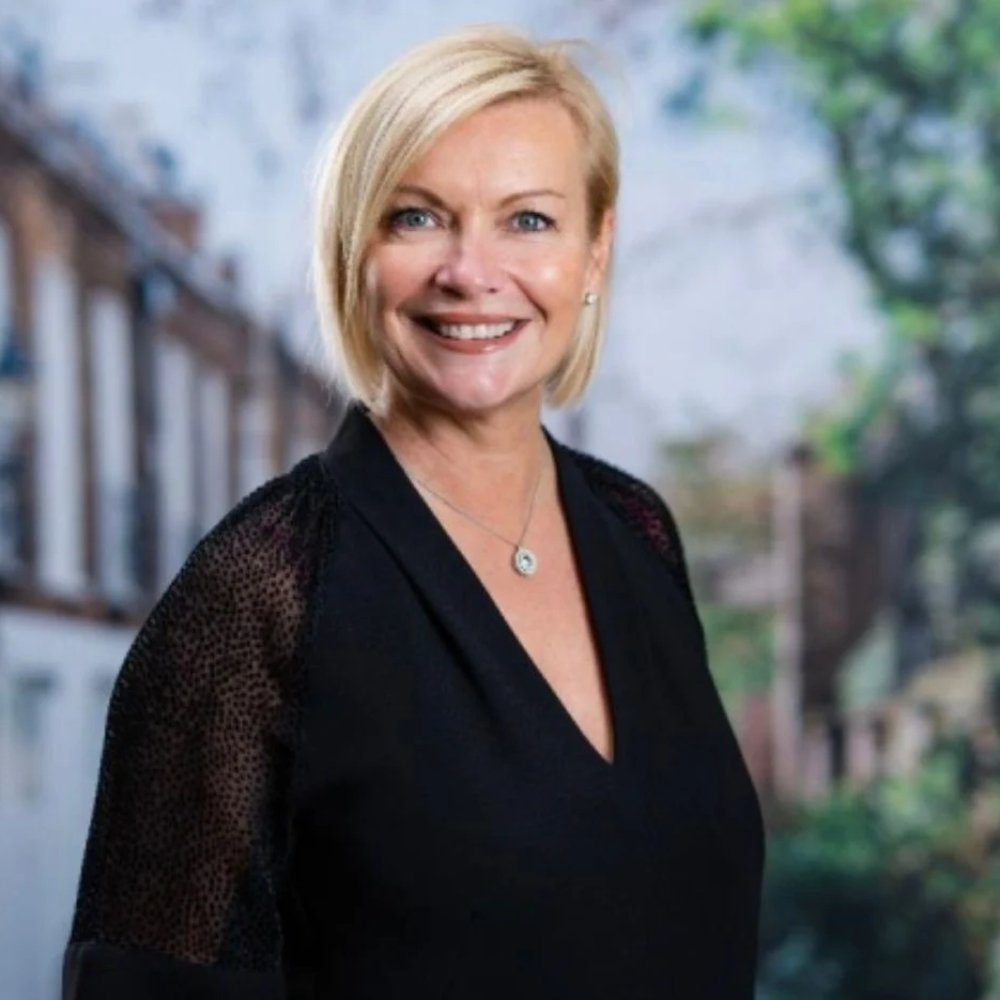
x: 332, y: 771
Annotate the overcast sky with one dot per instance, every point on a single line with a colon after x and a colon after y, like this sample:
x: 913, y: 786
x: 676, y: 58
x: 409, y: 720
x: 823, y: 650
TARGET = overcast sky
x: 730, y: 305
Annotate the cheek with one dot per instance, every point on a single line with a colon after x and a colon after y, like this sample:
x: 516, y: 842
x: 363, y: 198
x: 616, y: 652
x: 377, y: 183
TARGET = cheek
x: 392, y: 277
x: 556, y: 283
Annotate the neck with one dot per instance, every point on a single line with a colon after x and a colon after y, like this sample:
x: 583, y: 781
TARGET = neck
x: 490, y: 463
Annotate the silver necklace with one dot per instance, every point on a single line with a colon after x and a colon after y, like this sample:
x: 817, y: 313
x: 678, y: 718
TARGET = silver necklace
x: 524, y: 561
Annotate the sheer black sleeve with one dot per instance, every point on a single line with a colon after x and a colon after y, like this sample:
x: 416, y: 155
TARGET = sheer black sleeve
x: 181, y: 876
x: 643, y: 509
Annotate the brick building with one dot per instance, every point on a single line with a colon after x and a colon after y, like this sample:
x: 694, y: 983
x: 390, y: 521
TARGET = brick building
x: 138, y: 401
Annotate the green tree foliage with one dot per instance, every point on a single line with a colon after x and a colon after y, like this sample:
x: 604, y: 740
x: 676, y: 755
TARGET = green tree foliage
x: 877, y: 896
x: 906, y: 94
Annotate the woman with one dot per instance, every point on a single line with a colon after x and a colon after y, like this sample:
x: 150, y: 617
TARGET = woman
x: 429, y: 716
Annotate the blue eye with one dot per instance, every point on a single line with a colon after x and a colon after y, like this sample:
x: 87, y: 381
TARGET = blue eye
x: 532, y: 222
x: 411, y: 218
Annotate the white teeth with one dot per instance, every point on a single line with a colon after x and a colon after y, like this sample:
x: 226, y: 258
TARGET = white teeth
x: 478, y: 331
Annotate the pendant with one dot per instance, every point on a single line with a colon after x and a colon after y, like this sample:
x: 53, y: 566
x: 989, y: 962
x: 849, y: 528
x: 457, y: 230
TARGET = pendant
x: 525, y: 561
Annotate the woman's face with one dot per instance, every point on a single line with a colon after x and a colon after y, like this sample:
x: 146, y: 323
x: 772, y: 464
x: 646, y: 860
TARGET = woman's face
x: 479, y: 267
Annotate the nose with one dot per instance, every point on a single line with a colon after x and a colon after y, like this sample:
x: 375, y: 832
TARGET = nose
x: 471, y: 265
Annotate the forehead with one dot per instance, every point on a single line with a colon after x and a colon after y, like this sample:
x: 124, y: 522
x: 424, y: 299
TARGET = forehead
x: 523, y: 143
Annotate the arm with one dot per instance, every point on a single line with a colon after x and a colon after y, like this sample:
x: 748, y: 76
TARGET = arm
x: 179, y: 889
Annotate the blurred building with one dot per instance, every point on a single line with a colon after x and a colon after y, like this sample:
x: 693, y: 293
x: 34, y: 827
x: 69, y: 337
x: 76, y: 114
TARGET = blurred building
x: 138, y: 402
x: 860, y: 689
x: 858, y: 686
x: 834, y: 568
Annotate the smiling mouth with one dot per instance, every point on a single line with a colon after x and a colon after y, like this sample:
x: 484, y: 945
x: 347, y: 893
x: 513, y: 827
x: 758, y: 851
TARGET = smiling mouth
x: 471, y: 331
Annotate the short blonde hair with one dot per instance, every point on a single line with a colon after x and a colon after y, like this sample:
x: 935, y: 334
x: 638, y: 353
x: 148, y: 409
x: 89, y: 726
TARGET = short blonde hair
x: 394, y: 121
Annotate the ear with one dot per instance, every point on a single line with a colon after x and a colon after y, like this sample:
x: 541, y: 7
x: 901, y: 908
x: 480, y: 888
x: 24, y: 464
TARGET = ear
x: 600, y: 252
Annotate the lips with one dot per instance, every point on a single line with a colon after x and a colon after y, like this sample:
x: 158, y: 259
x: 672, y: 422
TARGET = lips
x: 469, y: 332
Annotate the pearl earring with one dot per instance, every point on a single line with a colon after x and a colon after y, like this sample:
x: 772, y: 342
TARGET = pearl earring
x: 589, y: 298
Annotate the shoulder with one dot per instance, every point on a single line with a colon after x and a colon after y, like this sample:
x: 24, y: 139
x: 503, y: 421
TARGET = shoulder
x: 228, y: 630
x: 281, y: 510
x: 276, y: 526
x: 638, y: 505
x: 251, y: 577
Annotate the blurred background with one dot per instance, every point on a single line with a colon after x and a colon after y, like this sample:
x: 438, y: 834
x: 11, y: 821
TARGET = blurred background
x: 804, y: 358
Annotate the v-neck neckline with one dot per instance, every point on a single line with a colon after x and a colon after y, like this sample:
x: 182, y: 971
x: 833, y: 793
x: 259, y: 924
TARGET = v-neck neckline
x: 377, y: 486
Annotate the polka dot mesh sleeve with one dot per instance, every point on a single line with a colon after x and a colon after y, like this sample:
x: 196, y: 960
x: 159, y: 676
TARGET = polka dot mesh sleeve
x: 185, y: 848
x: 642, y: 509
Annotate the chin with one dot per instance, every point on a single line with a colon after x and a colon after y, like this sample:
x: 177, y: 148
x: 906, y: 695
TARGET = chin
x: 481, y: 403
x: 480, y: 399
x: 480, y: 387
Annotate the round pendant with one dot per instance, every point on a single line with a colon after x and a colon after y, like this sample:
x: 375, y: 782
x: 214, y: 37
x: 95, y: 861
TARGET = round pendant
x: 525, y: 561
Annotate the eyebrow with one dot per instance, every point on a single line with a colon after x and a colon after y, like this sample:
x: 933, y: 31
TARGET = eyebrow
x: 437, y: 202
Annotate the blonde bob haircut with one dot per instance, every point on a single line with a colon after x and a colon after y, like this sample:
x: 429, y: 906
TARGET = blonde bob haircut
x: 389, y: 127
